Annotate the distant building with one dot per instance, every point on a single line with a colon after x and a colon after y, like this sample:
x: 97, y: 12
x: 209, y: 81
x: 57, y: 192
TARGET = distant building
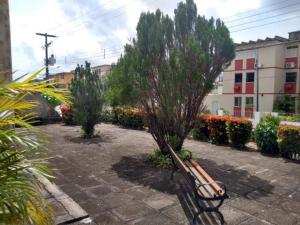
x: 270, y: 65
x: 101, y: 70
x: 5, y: 44
x: 64, y: 78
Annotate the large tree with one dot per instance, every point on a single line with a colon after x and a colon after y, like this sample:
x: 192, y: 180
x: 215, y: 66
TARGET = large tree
x: 173, y: 64
x: 87, y: 92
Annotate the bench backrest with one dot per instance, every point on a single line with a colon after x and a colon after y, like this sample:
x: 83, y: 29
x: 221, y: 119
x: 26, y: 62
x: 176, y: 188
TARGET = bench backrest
x: 198, y: 172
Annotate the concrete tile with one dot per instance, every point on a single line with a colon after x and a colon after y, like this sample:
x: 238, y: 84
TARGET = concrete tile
x: 133, y: 210
x: 176, y: 214
x: 107, y: 218
x: 153, y: 219
x: 158, y: 201
x: 233, y: 216
x: 277, y: 216
x: 249, y: 206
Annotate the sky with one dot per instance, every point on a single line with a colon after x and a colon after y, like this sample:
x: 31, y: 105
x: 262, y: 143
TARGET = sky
x: 97, y: 30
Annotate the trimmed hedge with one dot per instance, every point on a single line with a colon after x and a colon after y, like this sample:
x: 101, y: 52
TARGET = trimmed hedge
x: 222, y: 129
x: 217, y: 129
x: 200, y: 130
x: 289, y: 141
x: 129, y: 117
x: 239, y: 131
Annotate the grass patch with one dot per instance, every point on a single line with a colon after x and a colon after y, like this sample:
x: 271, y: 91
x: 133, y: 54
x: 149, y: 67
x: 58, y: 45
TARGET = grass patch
x: 164, y: 161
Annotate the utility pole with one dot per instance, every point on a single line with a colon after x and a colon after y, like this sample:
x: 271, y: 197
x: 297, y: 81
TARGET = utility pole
x: 257, y: 65
x: 46, y: 51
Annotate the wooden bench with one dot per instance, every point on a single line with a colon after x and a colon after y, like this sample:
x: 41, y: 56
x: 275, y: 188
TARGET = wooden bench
x: 207, y: 193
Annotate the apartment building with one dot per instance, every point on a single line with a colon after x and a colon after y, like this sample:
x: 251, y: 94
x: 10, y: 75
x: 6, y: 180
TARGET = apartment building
x: 64, y: 78
x: 262, y: 71
x: 101, y: 70
x: 5, y: 45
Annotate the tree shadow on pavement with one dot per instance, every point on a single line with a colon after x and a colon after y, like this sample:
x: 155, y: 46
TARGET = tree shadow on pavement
x: 239, y: 182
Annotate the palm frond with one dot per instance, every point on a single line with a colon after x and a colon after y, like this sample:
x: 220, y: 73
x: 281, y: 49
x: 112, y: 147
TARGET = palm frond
x: 21, y: 154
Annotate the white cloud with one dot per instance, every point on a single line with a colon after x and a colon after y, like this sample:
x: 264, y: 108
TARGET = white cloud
x: 86, y: 28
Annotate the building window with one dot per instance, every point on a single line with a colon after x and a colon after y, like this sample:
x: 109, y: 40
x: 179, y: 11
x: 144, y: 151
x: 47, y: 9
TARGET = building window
x: 250, y: 77
x: 291, y: 47
x: 237, y: 101
x: 249, y: 102
x: 291, y: 77
x: 62, y: 76
x: 238, y: 78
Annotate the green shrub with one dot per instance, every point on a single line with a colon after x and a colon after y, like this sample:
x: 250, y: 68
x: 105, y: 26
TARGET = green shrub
x: 266, y: 137
x: 130, y: 117
x: 87, y: 95
x: 217, y: 129
x: 289, y: 141
x: 272, y: 119
x: 239, y: 131
x: 200, y: 130
x: 164, y: 161
x: 107, y: 116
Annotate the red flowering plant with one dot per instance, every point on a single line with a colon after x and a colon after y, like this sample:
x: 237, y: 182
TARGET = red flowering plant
x: 217, y: 129
x: 130, y: 117
x: 67, y: 115
x: 239, y: 131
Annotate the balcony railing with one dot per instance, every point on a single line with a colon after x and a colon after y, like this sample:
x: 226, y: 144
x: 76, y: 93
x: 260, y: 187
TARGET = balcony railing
x: 290, y: 88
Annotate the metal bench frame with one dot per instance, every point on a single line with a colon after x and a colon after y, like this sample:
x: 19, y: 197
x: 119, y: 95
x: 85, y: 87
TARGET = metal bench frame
x: 191, y: 178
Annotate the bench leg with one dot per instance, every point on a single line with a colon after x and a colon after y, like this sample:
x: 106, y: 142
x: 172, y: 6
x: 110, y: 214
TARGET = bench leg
x: 172, y: 173
x: 219, y: 215
x: 195, y: 218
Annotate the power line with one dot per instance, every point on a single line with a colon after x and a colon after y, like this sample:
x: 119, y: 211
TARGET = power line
x: 278, y: 21
x: 242, y: 24
x: 253, y: 10
x: 238, y: 19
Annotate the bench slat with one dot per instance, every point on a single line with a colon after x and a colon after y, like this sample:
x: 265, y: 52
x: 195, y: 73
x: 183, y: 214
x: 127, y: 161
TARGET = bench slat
x: 214, y: 185
x: 205, y: 190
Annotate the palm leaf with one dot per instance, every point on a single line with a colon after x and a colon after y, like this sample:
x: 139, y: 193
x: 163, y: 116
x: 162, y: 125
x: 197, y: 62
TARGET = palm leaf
x: 21, y: 153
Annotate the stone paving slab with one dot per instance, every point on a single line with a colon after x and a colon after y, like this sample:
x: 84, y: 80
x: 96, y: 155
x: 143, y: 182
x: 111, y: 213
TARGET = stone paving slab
x: 109, y: 177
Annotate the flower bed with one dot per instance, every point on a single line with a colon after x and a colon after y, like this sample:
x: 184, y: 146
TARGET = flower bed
x: 129, y: 117
x: 222, y: 129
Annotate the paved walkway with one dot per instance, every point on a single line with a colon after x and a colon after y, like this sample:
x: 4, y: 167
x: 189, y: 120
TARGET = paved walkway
x: 109, y: 178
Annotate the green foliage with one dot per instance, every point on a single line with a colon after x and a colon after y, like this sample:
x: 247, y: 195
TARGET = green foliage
x: 200, y: 130
x: 52, y: 101
x: 164, y: 161
x: 87, y: 93
x: 239, y: 131
x: 271, y: 119
x: 21, y: 154
x: 289, y: 118
x: 289, y: 141
x: 129, y: 117
x: 172, y: 65
x: 284, y: 104
x: 121, y: 90
x: 108, y: 116
x: 266, y: 136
